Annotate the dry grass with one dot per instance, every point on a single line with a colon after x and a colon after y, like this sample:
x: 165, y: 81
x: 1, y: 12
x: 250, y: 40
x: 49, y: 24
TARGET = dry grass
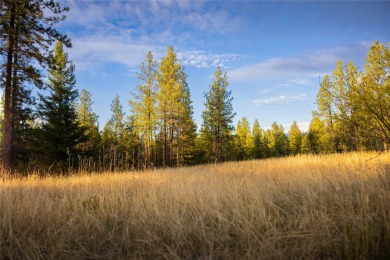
x: 335, y: 206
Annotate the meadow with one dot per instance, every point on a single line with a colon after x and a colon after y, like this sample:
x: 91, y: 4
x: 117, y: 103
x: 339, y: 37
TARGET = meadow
x: 327, y: 206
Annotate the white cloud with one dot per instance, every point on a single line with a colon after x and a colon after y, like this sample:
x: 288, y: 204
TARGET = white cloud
x: 312, y: 64
x: 302, y: 66
x: 92, y: 51
x: 303, y: 126
x: 298, y: 81
x: 202, y: 59
x: 140, y: 26
x: 264, y: 91
x: 283, y: 99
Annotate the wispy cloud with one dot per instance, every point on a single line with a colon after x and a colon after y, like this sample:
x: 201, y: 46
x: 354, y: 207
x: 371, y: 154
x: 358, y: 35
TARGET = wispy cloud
x: 295, y: 82
x: 302, y: 66
x: 92, y: 51
x: 140, y: 26
x: 202, y: 59
x: 264, y: 91
x: 283, y: 99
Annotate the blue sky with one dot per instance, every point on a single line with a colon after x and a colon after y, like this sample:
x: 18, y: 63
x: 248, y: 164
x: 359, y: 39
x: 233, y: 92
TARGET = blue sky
x: 274, y: 52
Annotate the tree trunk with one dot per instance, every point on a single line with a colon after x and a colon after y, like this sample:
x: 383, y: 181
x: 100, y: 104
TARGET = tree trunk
x: 14, y: 96
x: 217, y: 146
x: 7, y: 145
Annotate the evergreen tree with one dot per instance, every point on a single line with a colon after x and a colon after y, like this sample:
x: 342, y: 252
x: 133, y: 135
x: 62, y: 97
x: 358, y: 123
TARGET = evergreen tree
x: 89, y: 121
x: 243, y: 140
x: 278, y: 142
x: 326, y: 112
x: 113, y: 130
x: 26, y: 33
x: 295, y: 138
x: 316, y: 140
x: 258, y: 150
x: 61, y: 129
x: 359, y: 124
x: 174, y: 110
x: 186, y: 133
x: 167, y: 98
x: 143, y: 107
x: 117, y: 119
x: 375, y: 89
x: 114, y: 138
x: 218, y: 117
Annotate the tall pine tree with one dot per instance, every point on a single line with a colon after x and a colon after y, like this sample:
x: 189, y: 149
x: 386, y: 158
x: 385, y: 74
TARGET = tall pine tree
x: 89, y: 121
x: 218, y: 117
x: 295, y: 137
x: 26, y: 32
x: 174, y: 110
x: 144, y: 105
x: 61, y: 130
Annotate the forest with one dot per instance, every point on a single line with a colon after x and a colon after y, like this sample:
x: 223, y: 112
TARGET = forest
x: 58, y: 132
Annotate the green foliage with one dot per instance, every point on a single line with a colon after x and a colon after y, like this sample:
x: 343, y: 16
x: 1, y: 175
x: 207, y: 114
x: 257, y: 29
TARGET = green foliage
x: 174, y: 110
x: 375, y: 89
x: 61, y: 131
x: 113, y: 131
x: 187, y: 127
x: 144, y: 106
x: 26, y: 35
x: 353, y: 105
x: 326, y: 113
x: 89, y: 121
x: 243, y: 140
x: 295, y: 137
x: 121, y: 141
x: 278, y: 141
x: 217, y: 118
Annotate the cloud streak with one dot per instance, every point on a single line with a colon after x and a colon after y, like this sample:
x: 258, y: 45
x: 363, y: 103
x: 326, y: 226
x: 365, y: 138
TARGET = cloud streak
x: 306, y: 65
x: 277, y: 100
x: 93, y: 51
x: 296, y: 82
x: 202, y: 59
x: 140, y: 26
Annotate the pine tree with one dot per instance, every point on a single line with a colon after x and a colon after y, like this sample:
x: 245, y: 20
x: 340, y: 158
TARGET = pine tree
x: 258, y: 150
x: 243, y: 140
x: 143, y: 107
x: 295, y: 138
x: 113, y: 138
x: 278, y: 142
x: 375, y: 89
x: 26, y: 33
x: 186, y: 125
x: 167, y: 99
x: 326, y: 112
x: 89, y: 121
x: 174, y: 110
x: 113, y: 130
x: 316, y: 140
x: 117, y: 119
x: 61, y: 129
x: 218, y: 117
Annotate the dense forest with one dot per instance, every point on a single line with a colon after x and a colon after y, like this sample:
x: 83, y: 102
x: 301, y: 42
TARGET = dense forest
x: 59, y: 132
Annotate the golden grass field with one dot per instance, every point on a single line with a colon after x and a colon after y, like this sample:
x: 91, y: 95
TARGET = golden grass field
x: 331, y: 206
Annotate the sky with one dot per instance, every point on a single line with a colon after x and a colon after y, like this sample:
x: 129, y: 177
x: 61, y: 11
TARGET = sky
x: 274, y: 52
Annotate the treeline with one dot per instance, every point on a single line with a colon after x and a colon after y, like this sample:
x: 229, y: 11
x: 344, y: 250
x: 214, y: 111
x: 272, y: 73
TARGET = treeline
x: 59, y: 132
